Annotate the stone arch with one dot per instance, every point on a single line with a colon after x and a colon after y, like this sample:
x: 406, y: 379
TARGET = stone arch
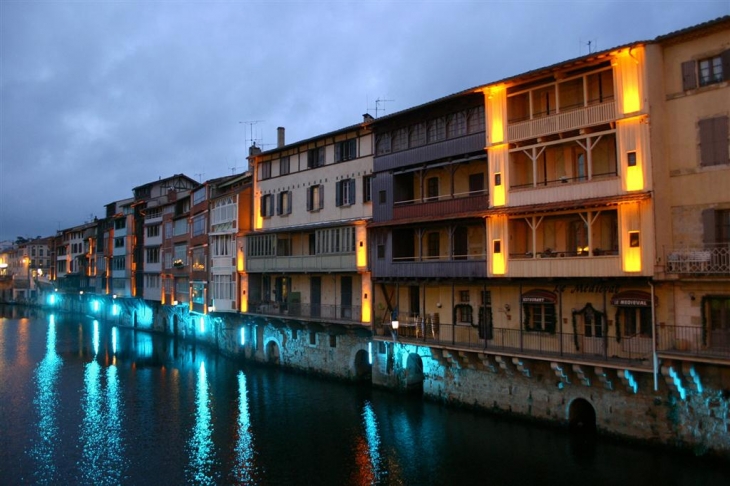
x: 414, y: 373
x: 361, y: 364
x: 582, y: 416
x: 273, y: 353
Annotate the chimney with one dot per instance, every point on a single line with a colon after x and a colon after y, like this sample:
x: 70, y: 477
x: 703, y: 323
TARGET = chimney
x: 253, y: 150
x: 280, y: 137
x: 367, y: 118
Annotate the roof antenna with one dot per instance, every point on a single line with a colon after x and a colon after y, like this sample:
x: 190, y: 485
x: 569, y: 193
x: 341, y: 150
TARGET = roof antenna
x: 250, y: 124
x: 200, y: 176
x: 379, y: 106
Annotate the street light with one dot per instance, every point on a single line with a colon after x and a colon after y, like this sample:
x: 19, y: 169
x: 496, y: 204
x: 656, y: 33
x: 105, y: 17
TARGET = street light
x: 394, y: 324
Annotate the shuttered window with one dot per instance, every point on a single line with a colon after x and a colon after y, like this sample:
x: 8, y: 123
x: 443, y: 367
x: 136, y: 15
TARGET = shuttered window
x: 713, y: 141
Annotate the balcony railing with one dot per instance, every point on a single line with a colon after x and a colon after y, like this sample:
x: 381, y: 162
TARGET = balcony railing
x: 682, y: 341
x: 320, y: 312
x: 441, y: 206
x: 707, y: 260
x: 303, y: 263
x: 569, y: 120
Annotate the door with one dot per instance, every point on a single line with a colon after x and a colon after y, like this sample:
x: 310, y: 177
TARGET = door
x: 315, y: 288
x: 346, y: 297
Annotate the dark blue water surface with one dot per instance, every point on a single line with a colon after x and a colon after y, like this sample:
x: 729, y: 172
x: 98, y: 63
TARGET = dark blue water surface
x: 82, y: 402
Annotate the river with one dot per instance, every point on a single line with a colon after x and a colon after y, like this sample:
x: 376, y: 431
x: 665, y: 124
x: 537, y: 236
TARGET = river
x: 83, y: 402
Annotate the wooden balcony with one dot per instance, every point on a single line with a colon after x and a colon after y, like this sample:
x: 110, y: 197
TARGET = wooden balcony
x: 562, y: 122
x: 339, y: 262
x: 444, y: 206
x: 565, y: 265
x: 610, y: 186
x: 437, y: 268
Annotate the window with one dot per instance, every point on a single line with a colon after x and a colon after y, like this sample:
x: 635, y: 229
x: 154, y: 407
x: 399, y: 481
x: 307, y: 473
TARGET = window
x: 222, y: 245
x: 283, y: 246
x: 463, y: 295
x: 476, y: 183
x: 636, y: 321
x: 400, y: 139
x: 382, y: 197
x: 346, y: 150
x: 333, y: 341
x: 265, y: 170
x: 713, y: 141
x: 267, y: 206
x: 539, y: 317
x: 382, y: 145
x: 222, y: 287
x: 199, y: 224
x: 315, y: 197
x: 118, y: 243
x: 199, y: 259
x: 381, y: 251
x: 432, y: 188
x: 283, y: 203
x: 335, y: 240
x: 168, y: 230
x: 716, y: 227
x: 710, y: 70
x: 345, y: 192
x: 284, y: 165
x: 367, y: 188
x: 152, y: 281
x: 464, y: 313
x: 315, y: 158
x: 152, y: 255
x: 120, y: 223
x: 707, y: 71
x: 181, y: 227
x: 312, y: 338
x: 433, y: 240
x: 436, y: 130
x: 119, y: 263
x: 224, y: 211
x: 199, y: 196
x: 417, y: 135
x: 153, y: 213
x: 180, y: 255
x: 153, y: 231
x: 263, y: 245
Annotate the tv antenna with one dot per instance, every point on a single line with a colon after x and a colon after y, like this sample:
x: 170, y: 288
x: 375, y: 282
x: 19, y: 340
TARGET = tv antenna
x: 200, y: 176
x: 592, y: 46
x: 250, y: 124
x: 380, y: 105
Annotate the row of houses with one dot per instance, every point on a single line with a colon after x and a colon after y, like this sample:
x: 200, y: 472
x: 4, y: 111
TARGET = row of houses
x: 577, y: 214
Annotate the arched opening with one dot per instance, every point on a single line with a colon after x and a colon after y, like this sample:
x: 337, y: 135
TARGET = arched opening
x: 414, y: 374
x: 582, y: 417
x: 272, y: 352
x: 363, y: 368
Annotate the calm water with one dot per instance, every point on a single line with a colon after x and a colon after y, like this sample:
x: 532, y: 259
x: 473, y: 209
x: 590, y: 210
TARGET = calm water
x: 86, y: 403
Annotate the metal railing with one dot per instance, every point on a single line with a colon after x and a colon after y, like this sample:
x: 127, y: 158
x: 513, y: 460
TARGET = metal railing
x: 694, y: 341
x: 710, y: 259
x: 324, y: 312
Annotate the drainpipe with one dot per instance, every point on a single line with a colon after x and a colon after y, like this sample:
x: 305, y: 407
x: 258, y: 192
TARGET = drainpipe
x: 655, y: 360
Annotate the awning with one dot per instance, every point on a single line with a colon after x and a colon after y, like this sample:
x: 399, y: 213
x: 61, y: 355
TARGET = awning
x: 633, y: 298
x: 539, y: 296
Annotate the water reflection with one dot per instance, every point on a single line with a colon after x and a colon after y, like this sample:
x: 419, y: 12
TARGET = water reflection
x: 368, y: 457
x: 102, y: 448
x: 202, y: 461
x: 46, y: 403
x: 244, y: 470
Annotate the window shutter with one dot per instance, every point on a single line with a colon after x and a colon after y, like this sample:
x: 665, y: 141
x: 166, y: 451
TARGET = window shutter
x: 689, y: 78
x: 338, y: 194
x: 280, y: 200
x: 725, y: 57
x: 262, y: 206
x: 320, y: 156
x: 708, y: 226
x: 706, y: 133
x: 309, y: 198
x: 353, y: 149
x: 288, y: 203
x: 321, y: 195
x: 352, y: 191
x: 720, y: 140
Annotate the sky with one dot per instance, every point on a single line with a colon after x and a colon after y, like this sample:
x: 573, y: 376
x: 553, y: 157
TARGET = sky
x: 98, y: 97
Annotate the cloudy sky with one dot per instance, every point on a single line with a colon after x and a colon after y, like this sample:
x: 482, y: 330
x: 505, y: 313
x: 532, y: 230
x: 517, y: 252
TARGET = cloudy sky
x: 97, y: 97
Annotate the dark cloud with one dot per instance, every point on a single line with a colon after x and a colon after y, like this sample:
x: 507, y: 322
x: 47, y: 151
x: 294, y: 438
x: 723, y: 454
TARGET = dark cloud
x: 99, y: 97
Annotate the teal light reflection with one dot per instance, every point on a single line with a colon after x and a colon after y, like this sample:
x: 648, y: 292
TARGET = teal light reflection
x: 46, y: 447
x: 95, y: 337
x: 244, y: 471
x: 114, y: 339
x: 102, y: 451
x: 373, y: 440
x: 202, y: 459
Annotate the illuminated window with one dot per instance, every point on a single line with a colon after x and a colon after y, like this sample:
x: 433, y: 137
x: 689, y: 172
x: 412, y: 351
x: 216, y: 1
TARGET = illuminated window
x: 634, y: 239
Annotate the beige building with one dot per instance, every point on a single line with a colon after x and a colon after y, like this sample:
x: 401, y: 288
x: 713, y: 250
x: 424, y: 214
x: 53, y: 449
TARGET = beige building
x: 306, y: 256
